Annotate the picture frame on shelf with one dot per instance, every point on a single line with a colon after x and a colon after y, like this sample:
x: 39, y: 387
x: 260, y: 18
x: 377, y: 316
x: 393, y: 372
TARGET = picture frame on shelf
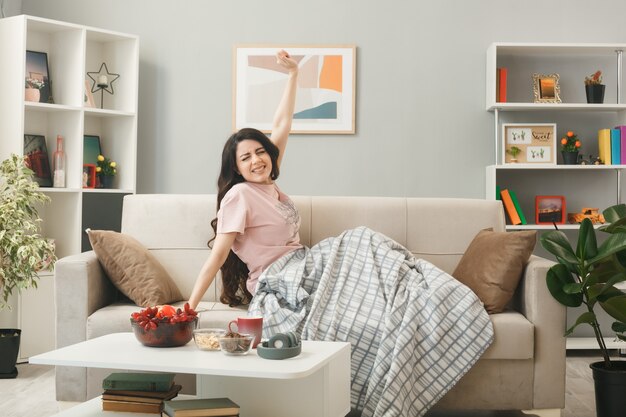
x: 88, y: 96
x: 546, y: 88
x: 36, y: 154
x: 326, y: 104
x: 89, y: 176
x: 91, y: 149
x: 529, y: 143
x: 550, y: 209
x: 37, y: 76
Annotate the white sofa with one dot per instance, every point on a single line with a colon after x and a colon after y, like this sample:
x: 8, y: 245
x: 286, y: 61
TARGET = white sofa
x: 523, y: 369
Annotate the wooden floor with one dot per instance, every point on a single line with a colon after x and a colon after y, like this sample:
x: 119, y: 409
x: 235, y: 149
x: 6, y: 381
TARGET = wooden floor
x: 32, y: 392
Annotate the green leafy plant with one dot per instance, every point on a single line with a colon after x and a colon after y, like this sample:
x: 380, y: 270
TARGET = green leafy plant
x: 588, y: 274
x: 570, y: 142
x: 106, y: 166
x: 23, y: 251
x: 513, y: 151
x: 595, y: 78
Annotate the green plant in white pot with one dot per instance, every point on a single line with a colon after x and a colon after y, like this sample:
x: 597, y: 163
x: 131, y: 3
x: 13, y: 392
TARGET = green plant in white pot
x: 588, y: 276
x: 23, y: 251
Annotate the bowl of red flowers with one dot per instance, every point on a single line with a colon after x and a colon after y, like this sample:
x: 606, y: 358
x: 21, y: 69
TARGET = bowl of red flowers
x: 164, y: 326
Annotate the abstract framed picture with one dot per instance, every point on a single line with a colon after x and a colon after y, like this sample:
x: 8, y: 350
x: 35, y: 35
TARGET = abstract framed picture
x: 325, y: 96
x: 36, y: 153
x: 529, y: 143
x: 550, y: 209
x: 37, y: 75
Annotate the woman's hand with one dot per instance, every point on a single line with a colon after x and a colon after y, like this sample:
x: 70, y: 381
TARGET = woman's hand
x: 286, y: 61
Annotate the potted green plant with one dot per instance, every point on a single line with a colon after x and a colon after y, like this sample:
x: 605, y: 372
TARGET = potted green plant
x: 23, y: 251
x: 588, y: 276
x: 570, y: 145
x: 594, y: 88
x: 513, y: 151
x: 106, y: 170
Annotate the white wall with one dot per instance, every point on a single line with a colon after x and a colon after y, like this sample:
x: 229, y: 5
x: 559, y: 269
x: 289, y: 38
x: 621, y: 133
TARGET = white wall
x: 421, y: 125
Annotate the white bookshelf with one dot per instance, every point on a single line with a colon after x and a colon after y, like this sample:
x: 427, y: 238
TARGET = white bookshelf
x: 72, y: 51
x: 598, y: 186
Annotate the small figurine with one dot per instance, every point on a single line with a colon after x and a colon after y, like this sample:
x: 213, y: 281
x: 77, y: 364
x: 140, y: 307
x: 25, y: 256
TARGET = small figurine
x: 586, y: 213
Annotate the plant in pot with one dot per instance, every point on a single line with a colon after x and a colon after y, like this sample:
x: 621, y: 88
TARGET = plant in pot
x: 570, y: 145
x: 106, y: 170
x: 594, y: 88
x: 23, y: 251
x: 513, y: 151
x: 588, y: 276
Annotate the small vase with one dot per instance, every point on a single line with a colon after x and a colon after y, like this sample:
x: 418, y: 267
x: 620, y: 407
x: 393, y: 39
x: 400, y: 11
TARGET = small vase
x: 595, y: 93
x: 32, y: 94
x: 106, y: 181
x: 570, y: 158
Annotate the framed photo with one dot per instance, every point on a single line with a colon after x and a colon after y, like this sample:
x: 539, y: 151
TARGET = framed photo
x: 529, y: 143
x: 88, y: 96
x: 37, y: 74
x: 325, y: 94
x: 550, y: 209
x: 36, y: 154
x: 89, y: 176
x: 91, y: 149
x: 546, y: 88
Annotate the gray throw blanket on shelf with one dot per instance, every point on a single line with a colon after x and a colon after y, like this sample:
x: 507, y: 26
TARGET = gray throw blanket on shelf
x: 414, y: 329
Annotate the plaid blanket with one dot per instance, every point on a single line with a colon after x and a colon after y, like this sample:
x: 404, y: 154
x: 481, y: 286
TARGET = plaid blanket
x: 414, y: 330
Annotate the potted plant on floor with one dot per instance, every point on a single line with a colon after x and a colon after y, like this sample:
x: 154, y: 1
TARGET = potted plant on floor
x: 588, y: 276
x: 23, y: 251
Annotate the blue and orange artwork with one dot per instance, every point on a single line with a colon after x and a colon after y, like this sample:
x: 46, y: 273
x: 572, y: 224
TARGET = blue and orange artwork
x: 325, y: 96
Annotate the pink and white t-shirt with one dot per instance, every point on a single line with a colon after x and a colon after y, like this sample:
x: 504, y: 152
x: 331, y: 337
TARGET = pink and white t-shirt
x: 267, y: 223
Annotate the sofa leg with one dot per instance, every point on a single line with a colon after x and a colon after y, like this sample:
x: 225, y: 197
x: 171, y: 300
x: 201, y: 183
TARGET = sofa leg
x: 544, y: 412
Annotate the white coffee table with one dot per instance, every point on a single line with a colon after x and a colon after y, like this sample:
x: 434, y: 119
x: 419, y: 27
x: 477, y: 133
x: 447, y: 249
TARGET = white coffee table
x: 315, y: 383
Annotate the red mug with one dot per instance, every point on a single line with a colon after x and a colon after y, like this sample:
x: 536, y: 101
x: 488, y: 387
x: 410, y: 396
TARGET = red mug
x: 249, y: 325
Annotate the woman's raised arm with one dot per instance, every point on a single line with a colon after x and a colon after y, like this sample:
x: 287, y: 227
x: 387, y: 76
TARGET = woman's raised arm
x: 281, y: 125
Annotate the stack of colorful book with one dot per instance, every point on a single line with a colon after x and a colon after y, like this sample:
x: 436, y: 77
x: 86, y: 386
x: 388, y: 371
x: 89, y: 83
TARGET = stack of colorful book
x: 612, y: 145
x: 138, y: 392
x: 512, y: 206
x: 202, y: 407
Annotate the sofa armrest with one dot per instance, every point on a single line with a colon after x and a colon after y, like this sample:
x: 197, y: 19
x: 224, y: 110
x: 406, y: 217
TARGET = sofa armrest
x: 81, y: 287
x: 548, y: 318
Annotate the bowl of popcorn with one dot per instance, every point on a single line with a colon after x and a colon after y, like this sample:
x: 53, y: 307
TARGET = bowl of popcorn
x: 208, y: 339
x: 232, y: 343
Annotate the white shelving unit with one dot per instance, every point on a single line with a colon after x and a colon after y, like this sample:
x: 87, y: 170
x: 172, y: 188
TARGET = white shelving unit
x: 72, y: 51
x: 582, y: 185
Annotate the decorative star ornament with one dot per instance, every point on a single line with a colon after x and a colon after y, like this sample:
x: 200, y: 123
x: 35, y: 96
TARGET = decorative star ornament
x: 103, y: 79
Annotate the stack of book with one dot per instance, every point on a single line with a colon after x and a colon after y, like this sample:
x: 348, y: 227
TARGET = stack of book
x: 202, y: 407
x: 511, y: 206
x: 612, y: 145
x: 138, y: 392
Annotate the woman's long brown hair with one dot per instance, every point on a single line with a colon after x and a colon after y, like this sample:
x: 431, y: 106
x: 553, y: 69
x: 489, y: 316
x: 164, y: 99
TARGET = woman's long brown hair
x: 234, y: 271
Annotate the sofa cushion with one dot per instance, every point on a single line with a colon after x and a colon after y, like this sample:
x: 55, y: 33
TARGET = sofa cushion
x: 132, y: 269
x: 493, y: 263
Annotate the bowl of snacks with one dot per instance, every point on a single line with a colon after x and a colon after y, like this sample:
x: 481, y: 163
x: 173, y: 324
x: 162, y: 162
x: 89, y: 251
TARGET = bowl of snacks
x: 208, y: 339
x: 232, y: 343
x: 164, y: 326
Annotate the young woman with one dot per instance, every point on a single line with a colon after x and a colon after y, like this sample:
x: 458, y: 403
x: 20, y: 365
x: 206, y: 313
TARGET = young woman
x: 256, y: 223
x: 400, y: 314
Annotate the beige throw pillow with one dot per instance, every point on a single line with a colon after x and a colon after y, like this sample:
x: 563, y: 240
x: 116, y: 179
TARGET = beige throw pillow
x: 493, y: 263
x: 133, y: 269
